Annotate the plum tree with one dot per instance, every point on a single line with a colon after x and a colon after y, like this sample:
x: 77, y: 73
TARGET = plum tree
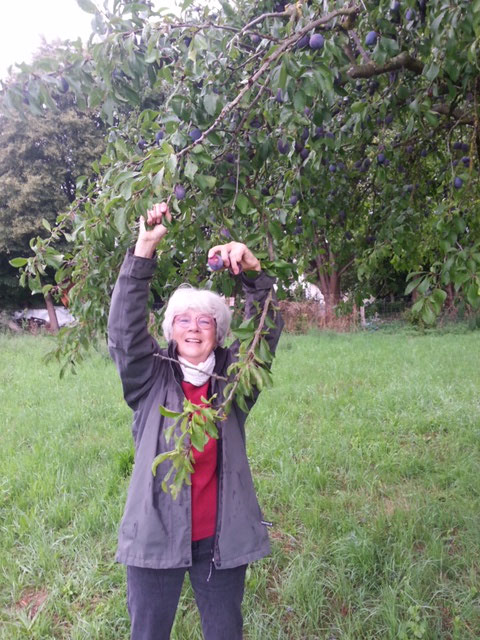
x: 220, y: 95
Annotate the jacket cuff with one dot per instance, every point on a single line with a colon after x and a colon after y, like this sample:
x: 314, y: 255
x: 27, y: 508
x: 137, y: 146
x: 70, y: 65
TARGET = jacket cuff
x: 260, y: 281
x: 138, y: 267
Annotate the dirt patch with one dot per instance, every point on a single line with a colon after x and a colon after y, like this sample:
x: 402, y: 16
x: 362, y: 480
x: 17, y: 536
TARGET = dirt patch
x: 31, y: 602
x: 288, y: 543
x: 400, y: 503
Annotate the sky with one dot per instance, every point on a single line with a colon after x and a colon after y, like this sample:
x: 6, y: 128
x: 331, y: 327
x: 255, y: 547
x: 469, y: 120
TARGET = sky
x: 25, y: 21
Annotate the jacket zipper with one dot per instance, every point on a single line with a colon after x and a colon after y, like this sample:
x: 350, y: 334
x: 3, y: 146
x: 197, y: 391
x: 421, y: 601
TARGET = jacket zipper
x: 216, y: 560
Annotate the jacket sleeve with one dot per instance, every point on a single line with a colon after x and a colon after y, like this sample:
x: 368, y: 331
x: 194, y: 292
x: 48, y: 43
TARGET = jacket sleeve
x: 131, y: 346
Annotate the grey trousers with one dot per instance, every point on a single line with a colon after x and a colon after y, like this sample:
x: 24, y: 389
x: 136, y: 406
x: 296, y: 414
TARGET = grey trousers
x: 153, y: 595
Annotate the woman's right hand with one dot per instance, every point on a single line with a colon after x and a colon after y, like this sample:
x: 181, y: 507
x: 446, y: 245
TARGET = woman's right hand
x: 148, y: 239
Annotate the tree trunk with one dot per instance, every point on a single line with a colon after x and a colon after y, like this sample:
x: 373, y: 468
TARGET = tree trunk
x: 329, y: 285
x: 52, y: 316
x: 450, y: 300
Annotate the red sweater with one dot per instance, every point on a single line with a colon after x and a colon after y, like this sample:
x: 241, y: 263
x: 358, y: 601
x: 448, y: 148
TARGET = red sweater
x: 204, y: 479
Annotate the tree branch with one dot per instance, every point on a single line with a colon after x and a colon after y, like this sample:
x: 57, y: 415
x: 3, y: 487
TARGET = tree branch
x: 356, y: 39
x: 460, y: 116
x: 403, y: 61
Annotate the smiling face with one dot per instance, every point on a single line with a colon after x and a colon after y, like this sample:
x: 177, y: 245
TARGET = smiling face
x: 195, y: 335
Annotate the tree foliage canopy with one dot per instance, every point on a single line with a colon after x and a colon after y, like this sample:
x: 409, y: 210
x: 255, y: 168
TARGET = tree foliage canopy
x: 338, y: 139
x: 41, y: 157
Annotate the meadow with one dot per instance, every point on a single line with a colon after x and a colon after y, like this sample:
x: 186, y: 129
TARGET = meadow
x: 366, y: 457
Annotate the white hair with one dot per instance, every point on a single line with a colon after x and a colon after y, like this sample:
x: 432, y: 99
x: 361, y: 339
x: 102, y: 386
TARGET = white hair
x: 203, y: 300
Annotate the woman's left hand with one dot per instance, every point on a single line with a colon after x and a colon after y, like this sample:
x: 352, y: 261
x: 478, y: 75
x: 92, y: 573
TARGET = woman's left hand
x: 236, y: 256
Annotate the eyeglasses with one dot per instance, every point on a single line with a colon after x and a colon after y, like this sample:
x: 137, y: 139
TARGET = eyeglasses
x: 203, y: 322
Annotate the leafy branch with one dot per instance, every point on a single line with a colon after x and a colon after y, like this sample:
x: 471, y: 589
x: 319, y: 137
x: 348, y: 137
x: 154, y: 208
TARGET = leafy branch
x: 193, y: 426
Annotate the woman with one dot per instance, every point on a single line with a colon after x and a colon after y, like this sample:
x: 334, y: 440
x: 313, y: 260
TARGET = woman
x: 214, y: 528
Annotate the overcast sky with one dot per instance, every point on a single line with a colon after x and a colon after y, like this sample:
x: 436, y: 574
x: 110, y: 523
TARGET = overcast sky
x: 25, y: 21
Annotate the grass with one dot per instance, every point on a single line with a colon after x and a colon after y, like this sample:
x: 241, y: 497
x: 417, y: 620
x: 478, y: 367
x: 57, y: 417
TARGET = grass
x: 366, y: 458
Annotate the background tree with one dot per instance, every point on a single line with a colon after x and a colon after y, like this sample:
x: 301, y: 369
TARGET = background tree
x: 339, y: 139
x: 42, y: 154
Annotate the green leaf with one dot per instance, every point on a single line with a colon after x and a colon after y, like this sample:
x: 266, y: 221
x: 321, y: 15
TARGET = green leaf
x: 167, y: 413
x: 240, y: 400
x: 412, y: 285
x: 418, y: 306
x: 431, y: 72
x: 436, y: 23
x: 198, y: 438
x: 473, y: 295
x: 242, y: 203
x: 264, y: 351
x: 159, y: 459
x: 18, y: 262
x: 157, y: 182
x: 428, y: 315
x: 299, y: 101
x: 121, y: 219
x: 358, y: 106
x: 190, y: 169
x: 87, y: 5
x: 205, y: 182
x: 210, y: 101
x: 439, y: 295
x: 243, y: 334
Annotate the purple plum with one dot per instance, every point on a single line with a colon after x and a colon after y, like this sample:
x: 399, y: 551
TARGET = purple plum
x: 179, y: 191
x: 195, y: 134
x: 215, y: 263
x: 371, y: 39
x: 316, y: 41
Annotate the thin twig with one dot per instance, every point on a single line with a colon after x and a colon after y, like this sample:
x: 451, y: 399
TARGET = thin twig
x: 252, y: 104
x: 247, y: 27
x: 249, y: 355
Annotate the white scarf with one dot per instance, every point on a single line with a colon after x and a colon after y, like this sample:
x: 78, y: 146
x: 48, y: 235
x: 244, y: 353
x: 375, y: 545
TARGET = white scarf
x: 202, y: 371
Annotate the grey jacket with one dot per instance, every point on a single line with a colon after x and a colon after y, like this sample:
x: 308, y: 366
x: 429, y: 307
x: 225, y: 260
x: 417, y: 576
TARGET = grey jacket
x: 155, y: 531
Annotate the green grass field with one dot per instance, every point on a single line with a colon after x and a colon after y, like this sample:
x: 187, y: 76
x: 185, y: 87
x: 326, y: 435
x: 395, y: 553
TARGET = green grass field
x: 366, y: 456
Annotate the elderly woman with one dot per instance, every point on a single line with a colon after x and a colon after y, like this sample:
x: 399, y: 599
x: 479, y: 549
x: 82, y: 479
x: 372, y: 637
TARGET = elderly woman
x: 214, y: 528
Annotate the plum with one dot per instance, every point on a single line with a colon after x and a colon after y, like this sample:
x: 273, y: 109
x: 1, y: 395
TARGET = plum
x: 316, y: 41
x: 195, y: 134
x: 215, y: 263
x: 283, y: 147
x: 179, y: 191
x: 371, y: 39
